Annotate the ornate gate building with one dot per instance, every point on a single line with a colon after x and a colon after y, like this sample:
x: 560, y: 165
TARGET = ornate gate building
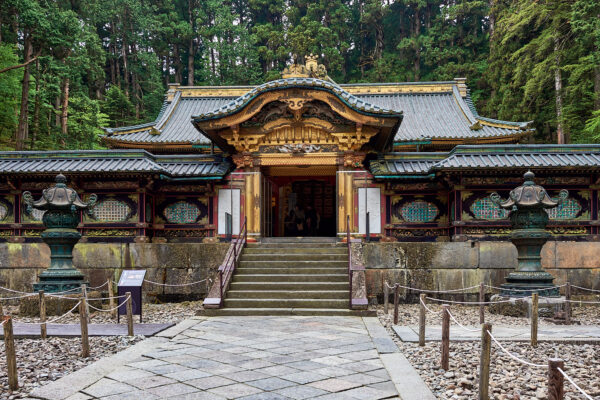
x: 405, y: 161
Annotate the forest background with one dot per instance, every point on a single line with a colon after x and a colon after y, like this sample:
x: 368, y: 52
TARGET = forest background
x: 69, y: 67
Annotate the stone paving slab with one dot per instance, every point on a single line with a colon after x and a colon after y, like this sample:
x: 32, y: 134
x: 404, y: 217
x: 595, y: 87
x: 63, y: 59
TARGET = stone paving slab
x: 253, y: 358
x: 564, y: 333
x: 24, y: 331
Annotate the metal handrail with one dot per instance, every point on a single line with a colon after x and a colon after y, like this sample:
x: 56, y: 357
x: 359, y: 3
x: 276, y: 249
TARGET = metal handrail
x: 349, y: 260
x: 228, y: 267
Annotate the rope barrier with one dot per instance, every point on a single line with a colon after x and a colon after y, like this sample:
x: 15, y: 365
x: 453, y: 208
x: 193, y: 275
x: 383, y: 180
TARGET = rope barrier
x: 110, y: 309
x: 584, y: 288
x: 108, y: 298
x: 432, y: 291
x: 513, y: 356
x: 427, y: 308
x: 166, y: 284
x: 17, y: 297
x: 52, y: 320
x: 469, y: 302
x: 49, y: 294
x: 587, y: 396
x: 581, y: 301
x: 461, y: 325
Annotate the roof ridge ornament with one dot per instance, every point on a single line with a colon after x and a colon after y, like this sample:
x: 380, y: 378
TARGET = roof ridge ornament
x: 310, y: 69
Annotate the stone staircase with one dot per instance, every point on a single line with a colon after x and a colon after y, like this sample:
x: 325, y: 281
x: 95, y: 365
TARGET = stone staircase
x: 290, y: 276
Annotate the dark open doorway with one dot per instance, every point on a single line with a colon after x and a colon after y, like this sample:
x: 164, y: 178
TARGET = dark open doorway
x: 301, y: 206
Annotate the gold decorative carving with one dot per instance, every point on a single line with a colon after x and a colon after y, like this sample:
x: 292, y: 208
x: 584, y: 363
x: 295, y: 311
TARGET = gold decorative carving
x: 243, y: 160
x: 354, y: 160
x: 311, y: 69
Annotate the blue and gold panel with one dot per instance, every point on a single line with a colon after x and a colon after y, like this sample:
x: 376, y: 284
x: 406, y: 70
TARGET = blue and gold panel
x: 484, y: 208
x: 478, y: 206
x: 418, y: 209
x: 113, y: 209
x: 6, y: 210
x: 182, y: 210
x: 575, y: 207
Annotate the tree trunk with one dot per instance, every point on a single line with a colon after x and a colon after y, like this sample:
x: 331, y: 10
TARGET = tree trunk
x: 417, y: 60
x: 560, y: 136
x: 178, y: 64
x: 64, y: 108
x: 125, y: 70
x: 191, y: 48
x: 36, y: 108
x: 23, y: 128
x: 597, y: 84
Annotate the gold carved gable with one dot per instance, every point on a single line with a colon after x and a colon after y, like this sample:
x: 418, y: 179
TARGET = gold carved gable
x: 298, y: 121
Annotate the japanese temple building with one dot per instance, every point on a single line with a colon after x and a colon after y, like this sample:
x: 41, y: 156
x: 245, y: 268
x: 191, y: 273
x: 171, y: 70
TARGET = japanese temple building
x: 416, y: 156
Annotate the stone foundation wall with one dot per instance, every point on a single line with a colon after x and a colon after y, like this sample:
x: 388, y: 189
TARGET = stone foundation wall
x: 171, y: 263
x: 452, y: 265
x: 435, y: 265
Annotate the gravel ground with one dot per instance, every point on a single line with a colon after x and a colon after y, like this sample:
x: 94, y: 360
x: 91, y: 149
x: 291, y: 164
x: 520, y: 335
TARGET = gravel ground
x: 42, y: 361
x: 509, y: 379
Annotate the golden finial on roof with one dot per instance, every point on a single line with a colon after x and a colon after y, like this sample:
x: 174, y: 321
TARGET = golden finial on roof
x: 311, y: 69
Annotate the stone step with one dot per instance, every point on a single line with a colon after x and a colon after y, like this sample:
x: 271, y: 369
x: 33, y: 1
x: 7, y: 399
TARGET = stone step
x: 295, y: 250
x: 294, y: 264
x: 287, y: 294
x: 286, y: 303
x: 298, y: 239
x: 267, y: 286
x: 295, y: 245
x: 290, y: 278
x: 294, y: 257
x: 290, y: 270
x: 213, y: 312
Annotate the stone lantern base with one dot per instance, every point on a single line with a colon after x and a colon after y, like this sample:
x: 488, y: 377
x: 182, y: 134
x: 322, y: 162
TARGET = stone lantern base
x: 523, y: 284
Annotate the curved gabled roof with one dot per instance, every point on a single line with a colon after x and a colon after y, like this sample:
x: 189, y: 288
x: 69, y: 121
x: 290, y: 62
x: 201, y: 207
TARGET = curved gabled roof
x: 354, y: 102
x: 432, y: 112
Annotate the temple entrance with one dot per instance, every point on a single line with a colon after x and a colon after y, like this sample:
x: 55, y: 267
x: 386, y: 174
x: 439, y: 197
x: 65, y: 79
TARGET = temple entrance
x: 299, y: 206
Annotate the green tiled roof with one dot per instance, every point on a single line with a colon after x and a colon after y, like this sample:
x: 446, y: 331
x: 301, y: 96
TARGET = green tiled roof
x: 111, y: 161
x: 493, y: 157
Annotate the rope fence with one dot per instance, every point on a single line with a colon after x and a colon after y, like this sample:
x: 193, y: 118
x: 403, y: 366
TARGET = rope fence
x: 110, y: 309
x: 54, y: 319
x: 563, y: 373
x: 174, y: 285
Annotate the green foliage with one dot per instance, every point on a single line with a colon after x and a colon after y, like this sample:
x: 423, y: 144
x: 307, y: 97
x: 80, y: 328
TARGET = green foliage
x: 109, y: 61
x: 9, y: 94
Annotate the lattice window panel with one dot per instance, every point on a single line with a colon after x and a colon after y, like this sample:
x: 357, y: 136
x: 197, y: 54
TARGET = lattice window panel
x: 567, y: 210
x: 3, y: 212
x: 485, y: 208
x: 182, y: 212
x: 419, y: 211
x: 111, y: 211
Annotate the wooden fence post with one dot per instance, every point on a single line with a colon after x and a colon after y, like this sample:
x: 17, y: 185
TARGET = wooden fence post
x: 85, y: 296
x: 484, y: 362
x: 534, y: 319
x: 43, y: 328
x: 386, y: 298
x: 111, y: 294
x: 445, y: 337
x: 481, y: 301
x: 568, y: 304
x: 11, y: 357
x: 83, y: 322
x: 396, y: 302
x: 422, y: 320
x: 129, y: 314
x: 556, y: 389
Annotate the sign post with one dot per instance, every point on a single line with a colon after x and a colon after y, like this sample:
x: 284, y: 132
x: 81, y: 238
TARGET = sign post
x: 131, y: 281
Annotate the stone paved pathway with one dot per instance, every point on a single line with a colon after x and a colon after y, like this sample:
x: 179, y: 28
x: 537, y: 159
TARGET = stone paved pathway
x: 255, y: 358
